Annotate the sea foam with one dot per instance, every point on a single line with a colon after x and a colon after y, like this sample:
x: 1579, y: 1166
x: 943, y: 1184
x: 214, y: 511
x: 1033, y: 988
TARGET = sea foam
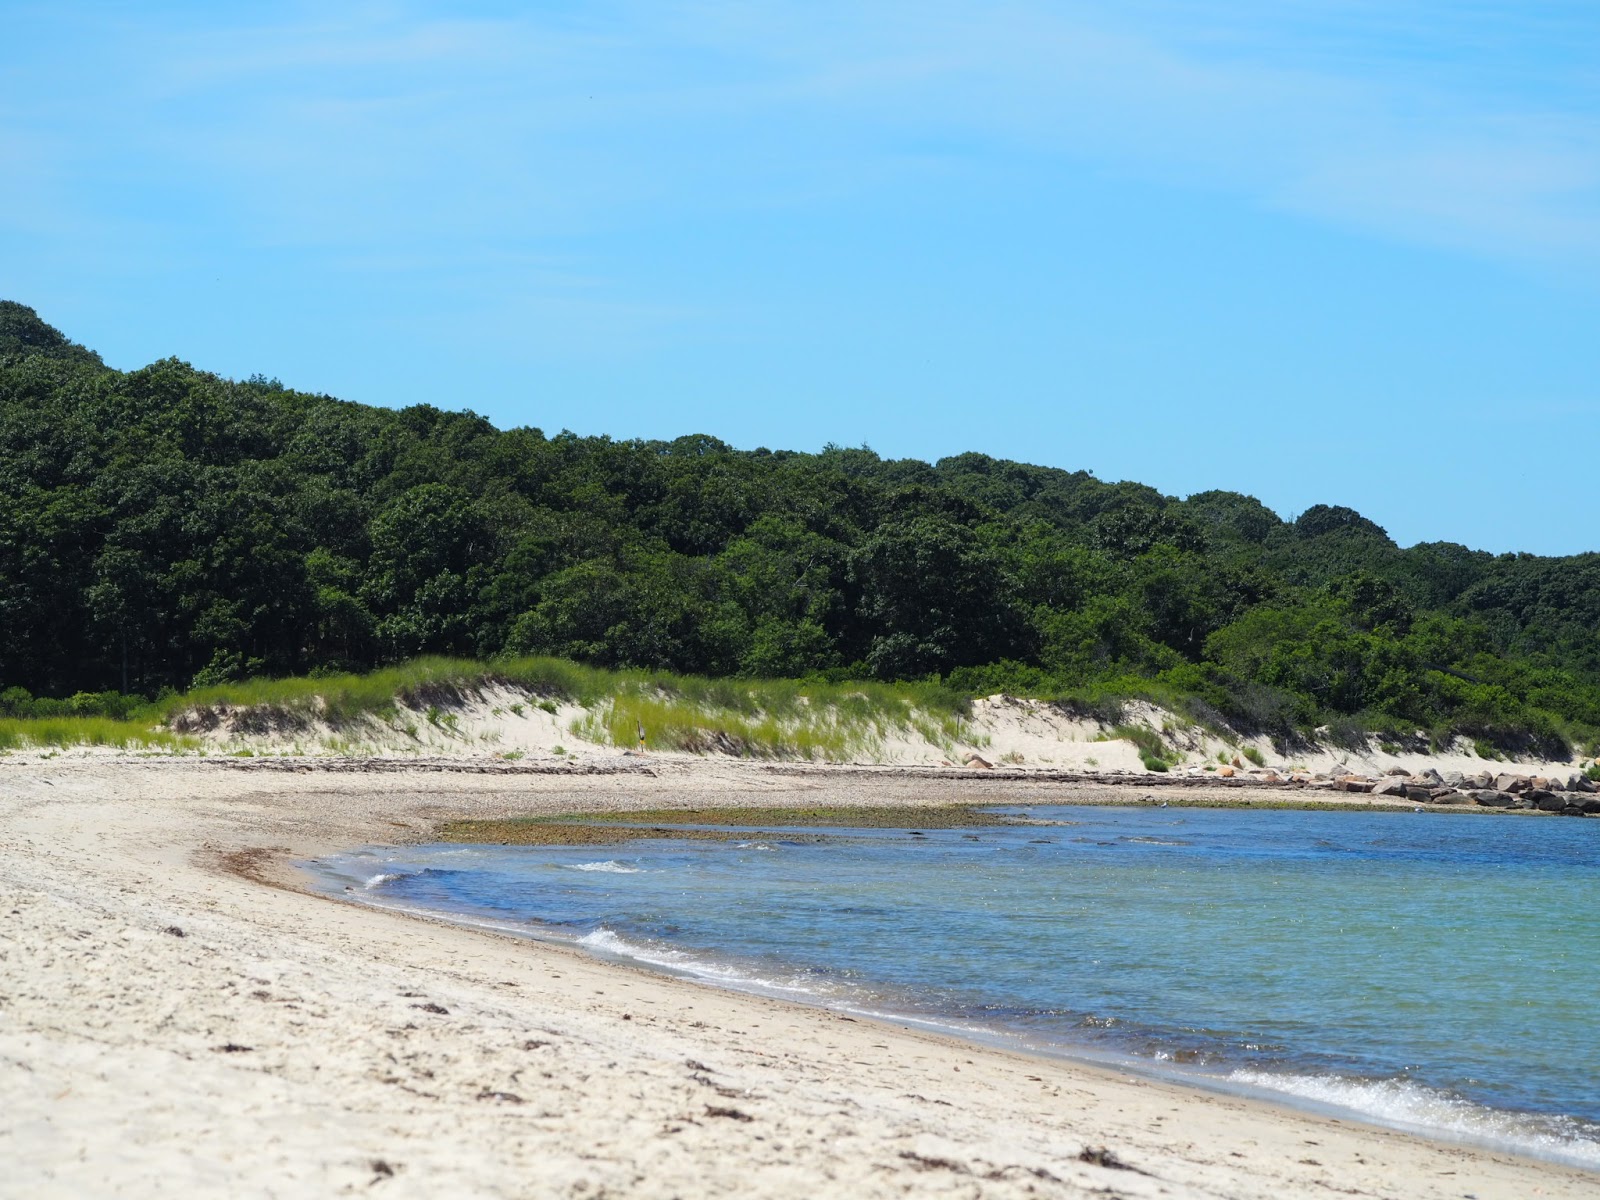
x: 1399, y: 1102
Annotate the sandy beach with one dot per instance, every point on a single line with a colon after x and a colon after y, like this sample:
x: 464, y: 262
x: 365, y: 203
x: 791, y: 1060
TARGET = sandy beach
x: 179, y: 1018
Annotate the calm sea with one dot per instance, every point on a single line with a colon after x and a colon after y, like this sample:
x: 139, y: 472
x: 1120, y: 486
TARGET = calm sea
x: 1423, y: 970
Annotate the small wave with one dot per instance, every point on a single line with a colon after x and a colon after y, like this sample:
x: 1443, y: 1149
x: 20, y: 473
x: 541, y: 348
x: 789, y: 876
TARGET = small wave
x: 380, y: 880
x: 1414, y: 1106
x: 610, y: 866
x: 1150, y: 841
x: 605, y: 941
x: 752, y: 846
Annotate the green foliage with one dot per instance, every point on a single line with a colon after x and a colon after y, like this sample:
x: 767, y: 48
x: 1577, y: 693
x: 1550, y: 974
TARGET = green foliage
x: 22, y: 733
x: 1253, y: 755
x: 165, y: 529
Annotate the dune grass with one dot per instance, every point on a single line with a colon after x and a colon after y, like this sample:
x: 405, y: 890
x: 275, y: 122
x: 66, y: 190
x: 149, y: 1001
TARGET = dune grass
x: 766, y: 718
x: 31, y: 733
x: 763, y: 718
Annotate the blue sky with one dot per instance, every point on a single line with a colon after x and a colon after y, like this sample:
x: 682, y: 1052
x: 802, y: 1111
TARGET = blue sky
x: 1338, y: 251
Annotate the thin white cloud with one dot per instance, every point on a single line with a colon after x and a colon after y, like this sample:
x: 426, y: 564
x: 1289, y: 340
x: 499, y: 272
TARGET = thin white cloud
x: 377, y: 125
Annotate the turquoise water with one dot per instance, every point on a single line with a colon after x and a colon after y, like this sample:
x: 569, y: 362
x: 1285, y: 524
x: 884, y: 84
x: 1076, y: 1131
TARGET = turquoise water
x: 1424, y: 970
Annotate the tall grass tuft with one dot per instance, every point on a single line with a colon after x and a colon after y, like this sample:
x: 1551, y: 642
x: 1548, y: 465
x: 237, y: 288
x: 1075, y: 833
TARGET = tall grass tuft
x: 24, y: 733
x: 768, y: 718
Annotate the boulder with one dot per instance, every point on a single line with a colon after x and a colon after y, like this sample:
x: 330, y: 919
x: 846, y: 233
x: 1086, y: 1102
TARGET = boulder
x: 1350, y: 784
x: 1397, y: 771
x: 1547, y: 801
x: 1540, y: 783
x: 1448, y: 795
x: 1428, y: 777
x: 1492, y: 799
x: 1581, y: 783
x: 979, y: 762
x: 1419, y: 795
x: 1482, y: 780
x: 1225, y: 772
x: 1555, y: 785
x: 1394, y: 785
x: 1511, y: 783
x: 1592, y: 805
x: 1454, y: 779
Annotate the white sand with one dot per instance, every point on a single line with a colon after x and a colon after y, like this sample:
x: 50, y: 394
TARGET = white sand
x: 550, y: 1074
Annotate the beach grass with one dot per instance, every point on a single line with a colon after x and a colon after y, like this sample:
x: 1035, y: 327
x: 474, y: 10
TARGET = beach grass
x: 28, y: 733
x: 759, y: 718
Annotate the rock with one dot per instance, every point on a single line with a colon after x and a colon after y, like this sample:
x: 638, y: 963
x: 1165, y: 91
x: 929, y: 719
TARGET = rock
x: 1492, y: 799
x: 1353, y: 785
x: 979, y: 763
x: 1454, y: 779
x: 1428, y: 777
x: 1511, y: 783
x: 1582, y: 783
x: 1555, y: 785
x: 1591, y: 806
x: 1238, y: 762
x: 1394, y: 785
x: 1540, y: 783
x: 1398, y: 771
x: 1521, y: 802
x: 1547, y: 801
x: 1482, y: 780
x: 1419, y: 795
x: 1448, y: 795
x: 1225, y: 772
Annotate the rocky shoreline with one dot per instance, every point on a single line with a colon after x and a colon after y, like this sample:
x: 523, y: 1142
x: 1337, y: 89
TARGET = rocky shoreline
x: 1575, y: 796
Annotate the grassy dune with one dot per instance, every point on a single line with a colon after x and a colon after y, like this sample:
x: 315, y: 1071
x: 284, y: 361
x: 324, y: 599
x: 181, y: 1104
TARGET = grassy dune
x: 755, y: 718
x: 36, y: 733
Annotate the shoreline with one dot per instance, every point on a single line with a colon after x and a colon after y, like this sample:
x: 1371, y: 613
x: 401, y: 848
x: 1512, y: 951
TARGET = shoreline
x: 1310, y: 1089
x: 123, y: 1081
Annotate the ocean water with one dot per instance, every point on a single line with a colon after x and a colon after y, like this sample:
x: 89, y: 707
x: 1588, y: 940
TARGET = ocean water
x: 1423, y: 970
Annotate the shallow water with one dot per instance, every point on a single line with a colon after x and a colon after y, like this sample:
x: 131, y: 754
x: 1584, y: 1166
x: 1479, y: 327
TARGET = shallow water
x: 1431, y: 971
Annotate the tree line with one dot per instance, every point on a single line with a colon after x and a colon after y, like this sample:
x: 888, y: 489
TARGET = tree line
x: 165, y: 527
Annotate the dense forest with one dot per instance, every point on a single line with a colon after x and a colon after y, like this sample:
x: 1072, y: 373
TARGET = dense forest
x: 166, y: 527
